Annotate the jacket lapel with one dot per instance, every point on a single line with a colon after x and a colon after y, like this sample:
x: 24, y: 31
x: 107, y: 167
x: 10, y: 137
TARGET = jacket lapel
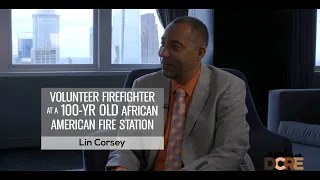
x: 199, y: 99
x: 160, y: 82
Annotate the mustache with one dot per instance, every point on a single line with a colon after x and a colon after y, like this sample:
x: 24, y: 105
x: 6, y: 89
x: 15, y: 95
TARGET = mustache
x: 165, y: 61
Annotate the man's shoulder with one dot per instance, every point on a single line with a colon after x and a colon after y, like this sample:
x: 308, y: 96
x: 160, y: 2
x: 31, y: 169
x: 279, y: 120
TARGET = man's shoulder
x: 223, y: 77
x: 218, y: 76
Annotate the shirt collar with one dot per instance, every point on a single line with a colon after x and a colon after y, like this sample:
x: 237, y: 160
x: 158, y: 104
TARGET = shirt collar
x: 188, y: 87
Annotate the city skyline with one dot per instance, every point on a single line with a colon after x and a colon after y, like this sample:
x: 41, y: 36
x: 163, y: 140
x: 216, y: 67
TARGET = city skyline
x: 45, y: 42
x: 74, y: 29
x: 42, y: 45
x: 75, y: 25
x: 149, y: 44
x: 126, y: 36
x: 74, y: 35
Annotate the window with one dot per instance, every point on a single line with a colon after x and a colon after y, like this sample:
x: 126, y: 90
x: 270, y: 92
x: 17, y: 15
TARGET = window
x: 50, y: 36
x: 317, y: 63
x: 136, y: 36
x: 50, y: 40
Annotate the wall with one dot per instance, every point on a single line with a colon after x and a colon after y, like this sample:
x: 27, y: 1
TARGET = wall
x: 20, y: 96
x: 20, y: 104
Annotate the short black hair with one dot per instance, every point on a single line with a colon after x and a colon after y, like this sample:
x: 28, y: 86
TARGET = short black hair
x: 199, y: 29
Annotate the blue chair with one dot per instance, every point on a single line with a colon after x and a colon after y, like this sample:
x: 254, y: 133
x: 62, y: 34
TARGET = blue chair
x: 262, y: 140
x: 294, y: 114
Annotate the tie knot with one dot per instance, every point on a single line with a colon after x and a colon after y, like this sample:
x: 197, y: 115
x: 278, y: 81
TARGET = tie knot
x: 181, y: 93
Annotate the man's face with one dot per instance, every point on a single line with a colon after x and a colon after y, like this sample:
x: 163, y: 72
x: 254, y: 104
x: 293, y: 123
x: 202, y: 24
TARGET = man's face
x: 178, y: 51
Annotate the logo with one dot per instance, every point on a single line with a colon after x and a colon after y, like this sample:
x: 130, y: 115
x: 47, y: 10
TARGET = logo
x: 283, y: 162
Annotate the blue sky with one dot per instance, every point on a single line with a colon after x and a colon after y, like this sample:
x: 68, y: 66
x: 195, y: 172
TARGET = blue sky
x: 74, y: 29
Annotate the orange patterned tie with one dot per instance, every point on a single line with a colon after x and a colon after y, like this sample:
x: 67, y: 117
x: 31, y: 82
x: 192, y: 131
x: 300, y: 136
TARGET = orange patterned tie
x: 173, y: 157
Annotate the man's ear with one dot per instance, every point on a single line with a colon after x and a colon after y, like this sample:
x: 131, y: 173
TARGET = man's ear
x: 201, y: 52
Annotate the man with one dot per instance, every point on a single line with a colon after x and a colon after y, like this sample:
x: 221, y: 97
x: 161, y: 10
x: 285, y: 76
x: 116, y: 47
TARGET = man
x: 210, y: 132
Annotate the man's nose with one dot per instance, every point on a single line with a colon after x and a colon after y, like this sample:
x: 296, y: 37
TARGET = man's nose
x: 163, y: 52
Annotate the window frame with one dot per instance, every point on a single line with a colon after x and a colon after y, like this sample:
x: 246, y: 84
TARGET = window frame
x: 102, y: 48
x: 316, y: 68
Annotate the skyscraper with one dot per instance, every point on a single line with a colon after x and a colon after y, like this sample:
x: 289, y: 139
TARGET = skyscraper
x: 24, y: 48
x: 149, y: 40
x: 46, y: 30
x: 117, y: 36
x: 126, y: 39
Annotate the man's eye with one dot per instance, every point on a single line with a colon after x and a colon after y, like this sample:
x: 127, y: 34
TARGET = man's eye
x: 176, y: 45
